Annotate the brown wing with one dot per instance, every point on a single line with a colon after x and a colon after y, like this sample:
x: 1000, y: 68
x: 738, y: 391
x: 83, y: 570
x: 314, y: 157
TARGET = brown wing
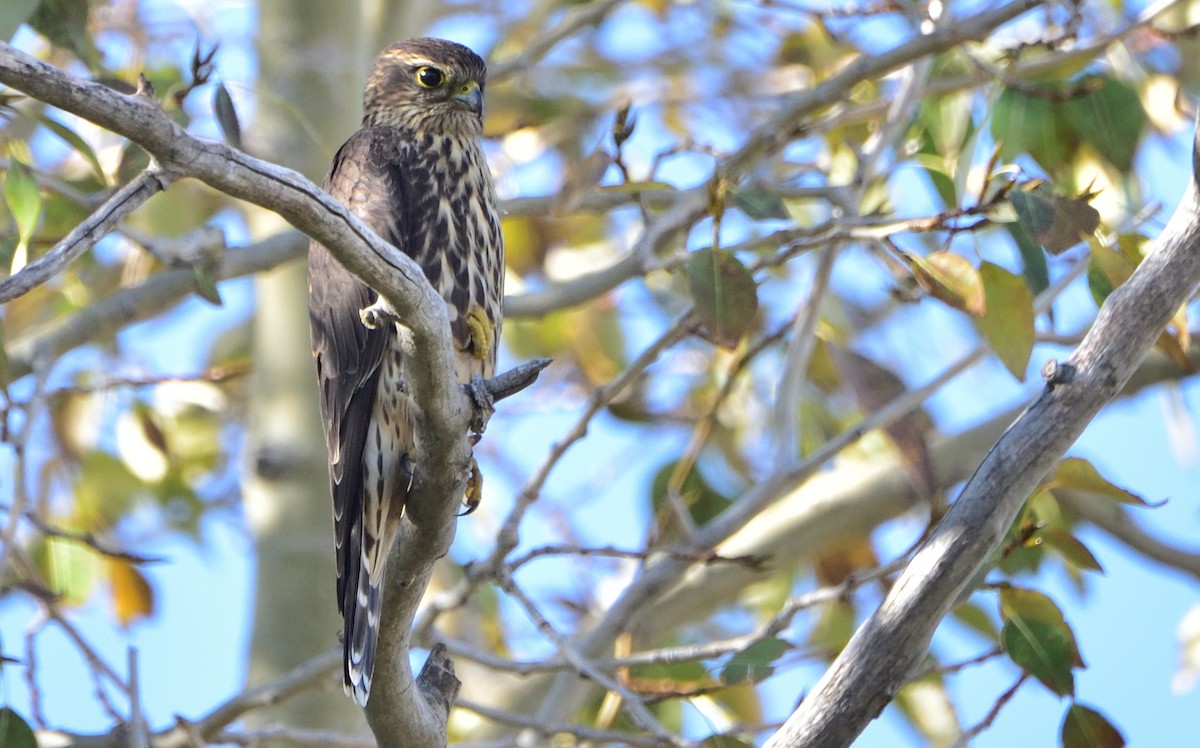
x: 367, y: 177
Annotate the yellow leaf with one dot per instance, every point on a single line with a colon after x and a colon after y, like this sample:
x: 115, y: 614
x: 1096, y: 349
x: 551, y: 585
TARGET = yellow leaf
x: 949, y: 278
x: 1007, y: 323
x: 133, y: 598
x: 1077, y: 474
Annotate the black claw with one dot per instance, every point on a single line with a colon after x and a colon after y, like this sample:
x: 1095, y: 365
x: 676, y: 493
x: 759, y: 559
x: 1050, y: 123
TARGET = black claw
x: 409, y: 468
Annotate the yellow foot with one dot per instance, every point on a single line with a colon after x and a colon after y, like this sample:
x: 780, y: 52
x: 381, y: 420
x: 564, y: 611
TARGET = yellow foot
x: 474, y: 493
x: 482, y: 331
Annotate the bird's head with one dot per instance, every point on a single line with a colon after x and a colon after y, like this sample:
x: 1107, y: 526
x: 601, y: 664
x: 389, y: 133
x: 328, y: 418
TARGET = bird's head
x: 427, y: 85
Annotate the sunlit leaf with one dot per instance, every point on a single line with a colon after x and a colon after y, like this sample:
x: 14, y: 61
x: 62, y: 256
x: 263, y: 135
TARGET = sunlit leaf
x: 68, y: 568
x: 756, y: 662
x: 1084, y: 727
x: 927, y: 706
x: 14, y: 731
x: 834, y: 628
x: 725, y: 295
x: 1071, y: 549
x: 1038, y: 639
x: 1077, y: 474
x: 950, y: 278
x: 1042, y: 650
x: 1008, y: 324
x: 24, y: 201
x: 132, y: 596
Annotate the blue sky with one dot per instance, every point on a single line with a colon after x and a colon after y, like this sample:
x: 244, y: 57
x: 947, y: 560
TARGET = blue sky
x: 1125, y: 623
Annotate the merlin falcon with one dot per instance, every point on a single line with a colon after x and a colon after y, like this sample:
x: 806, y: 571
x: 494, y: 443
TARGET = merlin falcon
x: 416, y: 174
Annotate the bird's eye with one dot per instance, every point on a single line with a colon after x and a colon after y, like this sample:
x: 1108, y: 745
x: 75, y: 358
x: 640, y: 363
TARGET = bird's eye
x: 428, y: 77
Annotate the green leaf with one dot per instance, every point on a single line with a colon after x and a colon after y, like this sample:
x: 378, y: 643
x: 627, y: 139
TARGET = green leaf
x: 1084, y: 727
x: 724, y: 293
x: 1033, y: 258
x: 949, y: 278
x: 1024, y: 123
x: 1007, y: 323
x: 1077, y: 474
x: 25, y: 203
x: 12, y: 14
x: 205, y: 286
x: 1109, y: 118
x: 1043, y: 651
x: 1038, y: 638
x: 69, y: 568
x: 15, y: 731
x: 1071, y: 549
x: 1110, y: 268
x: 754, y: 663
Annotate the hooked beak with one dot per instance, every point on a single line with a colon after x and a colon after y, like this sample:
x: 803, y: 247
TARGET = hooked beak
x: 470, y: 97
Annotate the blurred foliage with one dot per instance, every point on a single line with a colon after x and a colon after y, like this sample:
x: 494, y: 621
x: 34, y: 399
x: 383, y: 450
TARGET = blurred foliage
x: 1001, y: 177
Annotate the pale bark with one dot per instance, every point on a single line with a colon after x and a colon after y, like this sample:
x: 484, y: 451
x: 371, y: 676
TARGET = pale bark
x: 887, y: 648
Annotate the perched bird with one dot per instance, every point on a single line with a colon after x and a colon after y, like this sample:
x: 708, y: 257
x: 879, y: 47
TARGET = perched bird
x: 416, y: 174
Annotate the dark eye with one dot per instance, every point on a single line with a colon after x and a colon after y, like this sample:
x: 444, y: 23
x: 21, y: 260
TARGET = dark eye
x: 428, y: 77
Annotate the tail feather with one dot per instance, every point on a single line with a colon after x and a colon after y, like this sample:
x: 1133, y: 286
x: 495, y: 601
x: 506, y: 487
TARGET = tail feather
x: 361, y: 637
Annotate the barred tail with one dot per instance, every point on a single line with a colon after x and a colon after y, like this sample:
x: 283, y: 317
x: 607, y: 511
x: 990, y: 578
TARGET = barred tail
x: 360, y: 614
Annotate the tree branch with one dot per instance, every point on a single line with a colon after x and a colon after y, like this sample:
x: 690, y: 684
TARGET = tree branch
x: 81, y: 238
x: 886, y: 649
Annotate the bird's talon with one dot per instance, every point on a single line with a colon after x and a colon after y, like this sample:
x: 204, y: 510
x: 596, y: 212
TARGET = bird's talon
x: 482, y: 332
x: 474, y: 492
x: 409, y: 468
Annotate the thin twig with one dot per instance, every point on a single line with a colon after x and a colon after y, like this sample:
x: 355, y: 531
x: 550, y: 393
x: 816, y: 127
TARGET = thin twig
x: 81, y: 238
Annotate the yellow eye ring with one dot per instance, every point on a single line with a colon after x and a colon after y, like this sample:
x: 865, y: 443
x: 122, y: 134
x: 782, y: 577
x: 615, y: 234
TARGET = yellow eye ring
x: 429, y: 77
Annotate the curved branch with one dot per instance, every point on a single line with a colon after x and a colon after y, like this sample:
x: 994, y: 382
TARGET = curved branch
x: 892, y: 642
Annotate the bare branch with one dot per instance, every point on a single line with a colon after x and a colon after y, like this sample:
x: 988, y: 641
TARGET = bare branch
x: 886, y: 649
x: 93, y: 228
